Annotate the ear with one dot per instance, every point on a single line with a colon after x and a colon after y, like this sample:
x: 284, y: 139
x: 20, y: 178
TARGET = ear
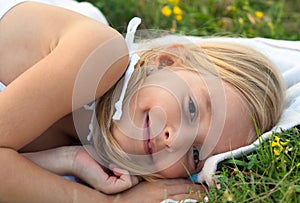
x: 173, y: 55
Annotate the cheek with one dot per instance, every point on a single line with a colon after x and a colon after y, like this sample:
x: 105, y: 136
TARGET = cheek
x: 127, y: 144
x: 119, y: 137
x: 236, y: 134
x: 174, y: 171
x: 162, y: 103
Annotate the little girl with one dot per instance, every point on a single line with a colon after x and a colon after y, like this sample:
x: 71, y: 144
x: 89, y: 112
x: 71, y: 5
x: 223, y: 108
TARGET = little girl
x: 185, y: 103
x: 182, y: 104
x: 44, y: 48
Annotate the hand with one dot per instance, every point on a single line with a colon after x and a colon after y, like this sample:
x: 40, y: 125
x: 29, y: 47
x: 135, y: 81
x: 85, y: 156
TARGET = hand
x: 88, y: 170
x: 74, y: 160
x: 175, y: 189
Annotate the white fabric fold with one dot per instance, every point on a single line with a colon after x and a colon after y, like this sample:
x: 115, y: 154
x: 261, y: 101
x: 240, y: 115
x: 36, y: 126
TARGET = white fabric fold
x: 134, y: 58
x: 131, y: 29
x: 91, y: 107
x: 118, y: 105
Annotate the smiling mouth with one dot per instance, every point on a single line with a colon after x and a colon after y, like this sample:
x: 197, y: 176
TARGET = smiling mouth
x: 146, y: 136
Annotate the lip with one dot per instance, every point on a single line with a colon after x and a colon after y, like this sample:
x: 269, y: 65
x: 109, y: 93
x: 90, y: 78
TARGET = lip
x: 148, y: 142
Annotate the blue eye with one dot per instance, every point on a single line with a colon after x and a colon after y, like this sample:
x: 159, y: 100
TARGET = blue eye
x: 196, y: 157
x: 192, y: 108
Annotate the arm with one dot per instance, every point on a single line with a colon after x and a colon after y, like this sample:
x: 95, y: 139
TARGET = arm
x: 44, y: 93
x: 23, y: 181
x: 74, y: 160
x: 61, y: 161
x: 38, y: 98
x: 163, y: 189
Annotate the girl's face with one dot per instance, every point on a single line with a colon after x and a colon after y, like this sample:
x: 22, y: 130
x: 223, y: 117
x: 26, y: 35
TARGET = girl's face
x: 179, y: 118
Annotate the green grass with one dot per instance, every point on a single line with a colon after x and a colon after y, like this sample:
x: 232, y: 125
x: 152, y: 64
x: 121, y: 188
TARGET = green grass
x: 263, y: 176
x: 280, y: 19
x: 270, y: 174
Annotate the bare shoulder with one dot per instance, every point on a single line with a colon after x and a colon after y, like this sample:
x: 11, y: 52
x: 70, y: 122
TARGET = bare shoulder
x: 59, y: 44
x: 32, y: 30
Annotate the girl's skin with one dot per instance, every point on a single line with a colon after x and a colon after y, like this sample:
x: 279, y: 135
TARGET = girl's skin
x: 180, y: 119
x: 42, y: 50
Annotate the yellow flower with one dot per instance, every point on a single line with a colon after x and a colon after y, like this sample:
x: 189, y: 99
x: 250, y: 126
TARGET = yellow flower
x: 178, y: 17
x: 276, y: 151
x: 276, y: 142
x: 259, y: 14
x: 283, y: 143
x: 278, y: 145
x: 166, y: 11
x: 177, y: 10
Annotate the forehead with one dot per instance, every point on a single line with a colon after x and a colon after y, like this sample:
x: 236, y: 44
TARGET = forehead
x: 181, y: 82
x: 198, y: 86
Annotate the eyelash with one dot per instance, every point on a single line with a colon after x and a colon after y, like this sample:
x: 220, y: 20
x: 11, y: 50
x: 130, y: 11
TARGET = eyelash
x: 192, y: 108
x: 196, y: 156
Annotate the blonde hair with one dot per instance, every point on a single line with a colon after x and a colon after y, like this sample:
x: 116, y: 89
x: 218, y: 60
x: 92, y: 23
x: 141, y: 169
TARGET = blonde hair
x: 247, y: 70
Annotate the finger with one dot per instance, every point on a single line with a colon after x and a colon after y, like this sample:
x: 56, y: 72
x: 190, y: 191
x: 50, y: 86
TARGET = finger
x: 126, y: 180
x: 119, y: 171
x: 124, y: 174
x: 122, y: 181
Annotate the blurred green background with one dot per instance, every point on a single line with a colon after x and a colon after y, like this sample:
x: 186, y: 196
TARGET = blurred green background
x: 246, y: 18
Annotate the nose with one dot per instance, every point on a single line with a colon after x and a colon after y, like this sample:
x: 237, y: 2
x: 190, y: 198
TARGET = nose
x: 165, y: 139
